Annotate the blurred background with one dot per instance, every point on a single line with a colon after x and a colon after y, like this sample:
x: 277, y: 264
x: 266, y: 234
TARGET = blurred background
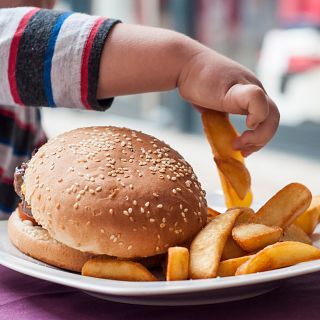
x: 278, y: 39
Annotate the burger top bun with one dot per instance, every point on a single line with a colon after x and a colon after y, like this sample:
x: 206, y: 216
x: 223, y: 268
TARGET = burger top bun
x: 114, y: 191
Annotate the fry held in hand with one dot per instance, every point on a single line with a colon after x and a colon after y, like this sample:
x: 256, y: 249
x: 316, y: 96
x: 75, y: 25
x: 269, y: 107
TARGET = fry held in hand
x: 207, y: 246
x: 221, y: 135
x: 108, y: 268
x: 236, y: 174
x: 251, y: 237
x: 309, y: 219
x: 178, y: 264
x: 279, y: 255
x: 285, y: 206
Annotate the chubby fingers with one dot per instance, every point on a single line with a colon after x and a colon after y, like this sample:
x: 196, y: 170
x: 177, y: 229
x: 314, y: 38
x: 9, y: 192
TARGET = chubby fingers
x: 247, y: 99
x: 253, y: 140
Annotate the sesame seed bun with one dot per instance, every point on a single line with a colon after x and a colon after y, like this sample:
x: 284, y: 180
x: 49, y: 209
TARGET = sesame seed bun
x: 114, y: 191
x: 36, y: 242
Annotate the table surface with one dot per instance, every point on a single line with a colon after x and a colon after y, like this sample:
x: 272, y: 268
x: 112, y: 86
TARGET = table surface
x: 23, y: 297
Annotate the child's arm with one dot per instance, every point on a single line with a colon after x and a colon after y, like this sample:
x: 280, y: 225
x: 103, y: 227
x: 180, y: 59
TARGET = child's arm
x: 153, y: 59
x: 56, y: 59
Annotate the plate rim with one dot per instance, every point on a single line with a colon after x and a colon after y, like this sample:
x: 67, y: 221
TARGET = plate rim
x: 127, y: 288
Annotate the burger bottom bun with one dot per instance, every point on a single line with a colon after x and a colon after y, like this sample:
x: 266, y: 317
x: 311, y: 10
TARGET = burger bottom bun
x: 37, y: 243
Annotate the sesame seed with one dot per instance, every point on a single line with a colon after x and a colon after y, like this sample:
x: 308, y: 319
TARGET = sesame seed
x: 160, y: 206
x: 78, y: 197
x: 130, y: 210
x: 111, y: 211
x: 152, y: 220
x: 130, y: 247
x: 60, y: 180
x: 92, y: 191
x: 134, y: 202
x: 162, y: 225
x: 157, y: 249
x: 147, y: 204
x: 174, y: 191
x: 125, y: 212
x: 98, y: 189
x: 76, y: 205
x: 82, y: 192
x: 142, y: 210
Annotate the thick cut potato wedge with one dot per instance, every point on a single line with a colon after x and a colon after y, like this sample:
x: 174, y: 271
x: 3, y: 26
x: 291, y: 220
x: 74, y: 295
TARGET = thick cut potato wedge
x: 251, y: 237
x: 245, y: 216
x: 229, y: 267
x: 295, y: 233
x: 284, y: 207
x: 178, y: 264
x: 221, y: 134
x: 108, y: 268
x: 207, y: 246
x: 213, y: 213
x: 309, y: 219
x: 279, y: 255
x: 236, y: 174
x: 232, y: 250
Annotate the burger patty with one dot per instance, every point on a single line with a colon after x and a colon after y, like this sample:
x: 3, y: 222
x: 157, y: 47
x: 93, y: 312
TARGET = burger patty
x: 18, y: 182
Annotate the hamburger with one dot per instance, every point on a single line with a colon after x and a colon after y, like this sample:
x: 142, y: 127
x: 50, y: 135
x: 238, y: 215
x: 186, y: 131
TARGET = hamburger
x: 105, y: 191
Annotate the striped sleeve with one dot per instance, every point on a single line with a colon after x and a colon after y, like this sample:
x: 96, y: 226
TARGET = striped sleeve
x: 51, y: 58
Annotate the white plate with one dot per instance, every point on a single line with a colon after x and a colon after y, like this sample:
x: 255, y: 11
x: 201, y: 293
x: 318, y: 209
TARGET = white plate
x: 192, y: 292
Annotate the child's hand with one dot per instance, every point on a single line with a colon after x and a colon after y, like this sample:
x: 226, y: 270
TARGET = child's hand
x: 140, y: 59
x: 212, y: 81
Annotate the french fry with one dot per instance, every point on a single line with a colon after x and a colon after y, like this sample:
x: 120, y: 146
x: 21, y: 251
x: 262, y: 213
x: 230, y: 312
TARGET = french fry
x: 108, y: 268
x: 279, y: 255
x: 178, y: 264
x: 221, y: 134
x: 284, y: 207
x: 213, y: 213
x: 309, y: 219
x: 251, y: 237
x: 207, y: 246
x: 229, y: 267
x: 295, y: 233
x: 245, y: 216
x: 231, y: 250
x: 236, y: 174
